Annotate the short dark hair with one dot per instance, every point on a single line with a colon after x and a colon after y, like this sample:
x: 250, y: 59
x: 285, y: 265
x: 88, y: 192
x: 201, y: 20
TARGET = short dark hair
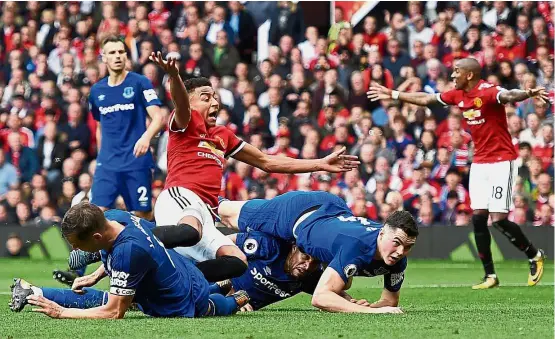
x: 524, y: 145
x: 83, y: 220
x: 191, y: 84
x: 404, y: 221
x: 111, y: 38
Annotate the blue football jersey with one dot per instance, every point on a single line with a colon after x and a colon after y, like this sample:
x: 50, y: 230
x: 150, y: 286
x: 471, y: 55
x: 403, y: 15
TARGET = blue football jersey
x: 162, y: 282
x: 347, y: 243
x: 265, y: 280
x: 121, y: 112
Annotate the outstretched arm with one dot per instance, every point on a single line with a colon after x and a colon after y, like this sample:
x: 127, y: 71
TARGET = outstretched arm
x: 178, y: 92
x: 517, y: 95
x: 114, y: 309
x: 329, y: 296
x: 378, y: 92
x: 335, y: 162
x: 387, y: 298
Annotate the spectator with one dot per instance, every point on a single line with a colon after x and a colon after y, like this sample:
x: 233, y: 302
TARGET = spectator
x: 21, y: 157
x: 244, y: 29
x: 14, y: 246
x: 8, y: 175
x: 51, y: 151
x: 287, y: 20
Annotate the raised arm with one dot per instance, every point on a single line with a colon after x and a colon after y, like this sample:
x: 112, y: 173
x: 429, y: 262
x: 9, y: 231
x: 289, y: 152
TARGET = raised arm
x: 516, y: 95
x: 178, y: 92
x: 378, y: 92
x: 335, y: 162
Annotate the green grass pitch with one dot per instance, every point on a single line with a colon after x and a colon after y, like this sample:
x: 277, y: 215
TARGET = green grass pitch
x: 436, y: 297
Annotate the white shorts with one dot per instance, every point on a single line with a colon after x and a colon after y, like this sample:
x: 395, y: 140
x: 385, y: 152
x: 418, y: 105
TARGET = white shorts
x: 177, y: 202
x: 491, y: 186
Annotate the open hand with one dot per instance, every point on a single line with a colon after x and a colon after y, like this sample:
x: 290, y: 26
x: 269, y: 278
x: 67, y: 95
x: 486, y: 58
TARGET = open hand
x: 45, y: 306
x: 378, y: 92
x: 169, y: 66
x: 84, y: 281
x: 340, y: 162
x: 540, y: 93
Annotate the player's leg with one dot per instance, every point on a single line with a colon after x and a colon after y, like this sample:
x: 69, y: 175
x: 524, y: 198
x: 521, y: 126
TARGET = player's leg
x: 65, y: 297
x: 174, y: 208
x: 223, y: 306
x: 224, y: 260
x: 479, y: 191
x: 500, y: 205
x: 104, y: 190
x: 136, y: 190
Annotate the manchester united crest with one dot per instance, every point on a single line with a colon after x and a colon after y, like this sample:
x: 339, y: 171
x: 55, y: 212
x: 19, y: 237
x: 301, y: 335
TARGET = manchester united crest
x: 478, y: 102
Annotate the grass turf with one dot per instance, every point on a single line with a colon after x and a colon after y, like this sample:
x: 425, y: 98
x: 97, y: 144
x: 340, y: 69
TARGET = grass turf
x: 436, y: 297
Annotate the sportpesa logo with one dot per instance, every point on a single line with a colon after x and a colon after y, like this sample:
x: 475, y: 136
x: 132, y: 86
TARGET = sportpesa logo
x: 116, y: 108
x: 268, y: 284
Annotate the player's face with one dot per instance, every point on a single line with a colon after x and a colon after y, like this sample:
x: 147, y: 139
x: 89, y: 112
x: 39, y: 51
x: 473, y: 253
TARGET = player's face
x: 460, y: 77
x: 114, y: 56
x: 205, y: 101
x: 394, y: 245
x: 299, y: 264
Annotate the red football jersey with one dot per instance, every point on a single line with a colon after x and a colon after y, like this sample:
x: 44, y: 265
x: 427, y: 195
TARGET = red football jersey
x: 486, y: 120
x: 197, y: 156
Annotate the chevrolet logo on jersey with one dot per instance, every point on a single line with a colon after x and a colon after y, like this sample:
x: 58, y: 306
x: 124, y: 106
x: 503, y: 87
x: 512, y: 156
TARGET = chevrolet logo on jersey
x: 211, y: 147
x: 472, y: 114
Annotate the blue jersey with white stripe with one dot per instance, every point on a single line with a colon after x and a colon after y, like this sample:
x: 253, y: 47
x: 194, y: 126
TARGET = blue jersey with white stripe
x: 265, y: 280
x: 121, y: 112
x: 163, y: 283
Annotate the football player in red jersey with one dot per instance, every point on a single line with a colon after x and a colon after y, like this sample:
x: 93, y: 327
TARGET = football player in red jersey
x: 197, y: 152
x: 493, y: 172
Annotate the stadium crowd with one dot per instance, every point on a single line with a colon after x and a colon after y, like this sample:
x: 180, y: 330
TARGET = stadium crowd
x: 307, y: 99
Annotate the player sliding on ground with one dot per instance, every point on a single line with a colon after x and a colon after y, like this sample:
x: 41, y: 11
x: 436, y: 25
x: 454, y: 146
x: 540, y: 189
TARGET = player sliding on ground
x: 162, y: 282
x: 323, y: 226
x: 197, y: 152
x: 493, y: 171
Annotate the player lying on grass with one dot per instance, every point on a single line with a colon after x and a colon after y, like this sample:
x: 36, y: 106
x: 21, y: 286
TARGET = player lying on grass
x: 162, y: 282
x: 197, y: 153
x: 323, y: 227
x: 277, y: 270
x: 493, y: 171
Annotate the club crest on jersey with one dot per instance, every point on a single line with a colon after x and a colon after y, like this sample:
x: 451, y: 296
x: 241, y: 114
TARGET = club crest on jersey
x: 350, y: 270
x: 478, y: 102
x: 250, y: 246
x: 221, y: 141
x: 128, y: 92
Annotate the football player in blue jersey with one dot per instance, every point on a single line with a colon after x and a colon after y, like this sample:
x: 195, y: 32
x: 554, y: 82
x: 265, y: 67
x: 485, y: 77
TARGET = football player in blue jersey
x: 322, y: 226
x: 277, y: 270
x: 162, y: 282
x: 121, y: 103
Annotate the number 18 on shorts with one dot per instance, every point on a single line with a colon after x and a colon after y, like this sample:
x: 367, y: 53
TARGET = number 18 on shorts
x: 491, y: 186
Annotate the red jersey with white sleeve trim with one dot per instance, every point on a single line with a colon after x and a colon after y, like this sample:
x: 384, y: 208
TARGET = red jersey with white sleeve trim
x: 197, y: 157
x: 486, y: 119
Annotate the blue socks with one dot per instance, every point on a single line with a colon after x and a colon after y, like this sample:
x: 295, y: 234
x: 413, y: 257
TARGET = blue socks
x: 222, y: 306
x: 67, y: 298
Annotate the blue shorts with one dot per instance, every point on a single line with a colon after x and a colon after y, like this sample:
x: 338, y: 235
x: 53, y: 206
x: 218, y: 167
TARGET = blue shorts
x: 134, y: 186
x: 276, y: 217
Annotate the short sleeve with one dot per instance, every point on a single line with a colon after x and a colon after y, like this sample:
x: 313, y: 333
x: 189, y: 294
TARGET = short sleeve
x: 491, y: 95
x: 257, y: 245
x: 148, y: 94
x: 349, y: 258
x: 93, y: 107
x: 394, y: 279
x: 234, y: 143
x: 447, y: 98
x: 129, y: 264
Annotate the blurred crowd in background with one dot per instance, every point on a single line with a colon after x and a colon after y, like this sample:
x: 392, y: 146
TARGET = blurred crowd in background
x: 307, y: 99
